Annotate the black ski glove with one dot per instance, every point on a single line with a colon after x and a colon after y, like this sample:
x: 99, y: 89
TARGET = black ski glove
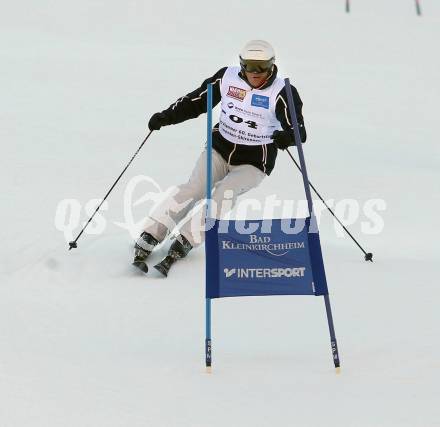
x: 284, y: 138
x: 157, y: 120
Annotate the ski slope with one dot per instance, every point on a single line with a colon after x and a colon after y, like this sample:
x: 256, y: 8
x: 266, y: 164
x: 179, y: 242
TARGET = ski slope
x: 85, y: 341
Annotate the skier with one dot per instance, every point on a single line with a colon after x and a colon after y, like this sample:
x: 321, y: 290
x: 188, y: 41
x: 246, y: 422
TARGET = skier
x: 254, y: 123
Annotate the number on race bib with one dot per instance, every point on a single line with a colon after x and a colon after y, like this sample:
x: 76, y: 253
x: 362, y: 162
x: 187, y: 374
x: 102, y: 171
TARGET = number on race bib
x: 237, y: 119
x: 251, y: 124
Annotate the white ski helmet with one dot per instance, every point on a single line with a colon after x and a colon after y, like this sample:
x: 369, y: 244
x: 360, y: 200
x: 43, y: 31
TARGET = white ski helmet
x: 257, y: 56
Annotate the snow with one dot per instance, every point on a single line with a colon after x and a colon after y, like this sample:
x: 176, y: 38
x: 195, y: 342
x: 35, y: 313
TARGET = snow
x: 86, y: 341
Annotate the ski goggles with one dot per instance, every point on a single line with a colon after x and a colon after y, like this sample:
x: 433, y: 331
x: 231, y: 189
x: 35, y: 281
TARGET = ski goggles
x: 254, y: 66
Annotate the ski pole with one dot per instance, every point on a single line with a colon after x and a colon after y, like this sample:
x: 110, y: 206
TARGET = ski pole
x: 418, y: 8
x: 73, y: 244
x: 368, y: 255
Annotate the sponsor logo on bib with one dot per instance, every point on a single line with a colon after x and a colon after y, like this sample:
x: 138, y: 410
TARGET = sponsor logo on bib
x: 260, y: 101
x: 237, y: 93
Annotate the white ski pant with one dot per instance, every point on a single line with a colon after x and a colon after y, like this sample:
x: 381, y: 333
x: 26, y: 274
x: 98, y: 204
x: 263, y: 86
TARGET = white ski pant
x: 228, y: 181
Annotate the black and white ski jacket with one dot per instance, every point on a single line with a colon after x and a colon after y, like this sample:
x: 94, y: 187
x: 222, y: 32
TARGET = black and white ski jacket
x: 261, y: 156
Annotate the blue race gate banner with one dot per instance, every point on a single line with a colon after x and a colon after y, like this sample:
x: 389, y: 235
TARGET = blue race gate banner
x: 263, y: 257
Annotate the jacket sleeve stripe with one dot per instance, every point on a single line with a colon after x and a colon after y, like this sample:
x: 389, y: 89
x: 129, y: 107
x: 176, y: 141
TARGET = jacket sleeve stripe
x: 200, y: 96
x: 285, y: 109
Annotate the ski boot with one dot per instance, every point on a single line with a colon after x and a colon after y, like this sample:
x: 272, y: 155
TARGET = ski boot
x: 178, y: 249
x: 142, y: 249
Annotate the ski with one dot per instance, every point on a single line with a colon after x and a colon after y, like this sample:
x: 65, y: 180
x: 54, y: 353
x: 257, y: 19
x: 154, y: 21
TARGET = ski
x: 179, y: 249
x: 142, y: 250
x: 140, y: 264
x: 164, y: 266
